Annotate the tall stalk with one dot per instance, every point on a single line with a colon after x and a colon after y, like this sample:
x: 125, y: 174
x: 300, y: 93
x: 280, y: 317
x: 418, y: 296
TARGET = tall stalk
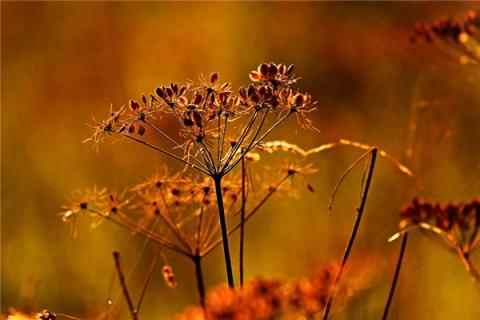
x: 361, y: 208
x: 401, y: 254
x: 223, y: 227
x: 198, y: 273
x: 242, y: 222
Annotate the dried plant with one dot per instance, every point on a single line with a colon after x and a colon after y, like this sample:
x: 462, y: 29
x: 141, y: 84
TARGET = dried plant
x: 454, y: 226
x: 462, y: 35
x: 266, y: 298
x: 218, y: 127
x: 178, y: 211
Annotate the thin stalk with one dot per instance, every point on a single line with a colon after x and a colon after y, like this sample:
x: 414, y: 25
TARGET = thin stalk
x: 147, y: 281
x: 255, y: 143
x: 166, y: 153
x: 470, y: 268
x: 346, y: 255
x: 228, y: 166
x: 242, y: 223
x: 395, y: 276
x: 121, y: 278
x: 246, y: 129
x: 174, y: 142
x: 200, y: 284
x: 223, y: 226
x: 146, y: 234
x: 249, y: 215
x: 187, y: 132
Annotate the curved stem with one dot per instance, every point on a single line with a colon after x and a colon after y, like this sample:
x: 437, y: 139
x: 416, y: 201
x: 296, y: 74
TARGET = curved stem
x: 360, y: 210
x: 395, y: 276
x: 223, y: 226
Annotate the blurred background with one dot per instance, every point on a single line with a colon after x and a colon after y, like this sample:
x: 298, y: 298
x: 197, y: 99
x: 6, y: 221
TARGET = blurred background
x: 64, y: 62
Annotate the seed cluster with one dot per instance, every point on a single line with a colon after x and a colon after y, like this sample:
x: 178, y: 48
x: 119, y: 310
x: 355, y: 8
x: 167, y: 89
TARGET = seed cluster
x: 462, y: 34
x: 217, y: 126
x: 457, y: 224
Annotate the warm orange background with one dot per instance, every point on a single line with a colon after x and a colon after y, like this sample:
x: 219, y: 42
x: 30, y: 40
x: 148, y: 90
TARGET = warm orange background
x: 63, y: 62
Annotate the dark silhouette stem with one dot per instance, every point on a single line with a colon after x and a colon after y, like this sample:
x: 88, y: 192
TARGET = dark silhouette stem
x: 200, y: 284
x: 373, y: 156
x: 223, y: 227
x: 396, y: 275
x: 242, y: 222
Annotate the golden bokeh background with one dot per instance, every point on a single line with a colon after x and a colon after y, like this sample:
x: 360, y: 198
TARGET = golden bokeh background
x: 63, y: 62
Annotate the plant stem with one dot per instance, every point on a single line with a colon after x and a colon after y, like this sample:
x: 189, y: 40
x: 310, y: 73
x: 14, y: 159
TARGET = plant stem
x: 223, y: 227
x: 242, y: 222
x: 396, y: 275
x: 123, y: 284
x: 147, y: 281
x: 360, y: 210
x: 200, y: 284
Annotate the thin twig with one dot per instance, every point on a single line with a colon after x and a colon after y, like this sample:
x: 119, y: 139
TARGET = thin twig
x: 147, y: 281
x: 373, y: 156
x: 401, y: 254
x: 121, y: 278
x: 166, y: 153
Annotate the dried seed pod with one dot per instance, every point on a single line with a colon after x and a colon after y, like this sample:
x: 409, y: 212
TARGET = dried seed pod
x: 272, y: 70
x: 188, y: 122
x: 242, y: 93
x: 174, y: 87
x: 263, y: 68
x: 197, y: 118
x: 298, y: 99
x: 160, y: 92
x: 141, y: 130
x: 214, y: 78
x: 131, y: 128
x: 197, y: 98
x: 133, y: 104
x: 182, y: 90
x: 169, y: 276
x: 144, y: 99
x: 255, y: 76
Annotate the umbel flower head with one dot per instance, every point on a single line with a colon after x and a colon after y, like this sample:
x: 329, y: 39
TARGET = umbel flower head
x: 456, y: 226
x: 217, y: 126
x: 179, y: 210
x: 461, y: 34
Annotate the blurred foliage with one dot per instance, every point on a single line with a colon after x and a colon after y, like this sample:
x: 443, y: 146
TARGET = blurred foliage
x: 63, y: 62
